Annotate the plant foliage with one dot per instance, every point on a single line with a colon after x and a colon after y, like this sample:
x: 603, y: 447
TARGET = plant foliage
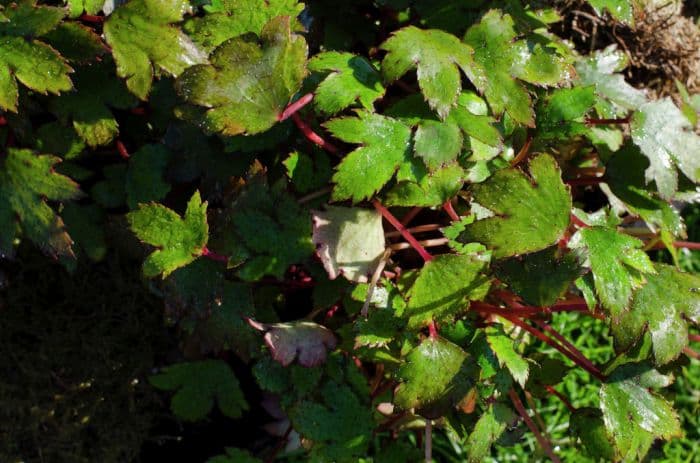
x: 441, y: 159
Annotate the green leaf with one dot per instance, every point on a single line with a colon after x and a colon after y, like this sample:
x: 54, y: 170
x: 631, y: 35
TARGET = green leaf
x: 428, y: 189
x: 349, y: 241
x: 435, y: 377
x: 34, y: 63
x: 624, y: 174
x: 379, y: 329
x: 340, y: 427
x: 248, y: 84
x: 634, y: 416
x: 530, y: 213
x: 499, y: 59
x: 560, y: 115
x: 305, y: 341
x: 234, y: 455
x: 88, y: 106
x: 144, y: 42
x: 110, y: 193
x: 622, y: 10
x: 179, y: 240
x: 264, y: 231
x: 308, y: 172
x: 487, y: 430
x: 587, y: 425
x: 84, y: 223
x: 667, y: 139
x: 198, y: 384
x: 437, y: 57
x: 226, y: 19
x: 444, y: 287
x: 542, y: 277
x: 76, y: 42
x: 617, y: 263
x: 502, y: 345
x: 600, y: 71
x: 27, y: 180
x: 350, y: 79
x: 78, y: 7
x: 145, y: 176
x: 364, y: 171
x: 664, y: 307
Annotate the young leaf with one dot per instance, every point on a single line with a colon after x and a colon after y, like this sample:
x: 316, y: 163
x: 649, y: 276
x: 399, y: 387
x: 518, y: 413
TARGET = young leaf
x: 617, y: 264
x: 385, y: 146
x: 530, y: 213
x: 349, y: 241
x: 198, y: 384
x: 667, y: 139
x: 226, y: 19
x: 444, y: 287
x: 144, y: 41
x: 437, y: 57
x: 487, y: 430
x: 179, y: 240
x: 499, y: 59
x: 306, y: 340
x: 436, y: 375
x: 27, y: 180
x: 144, y: 179
x: 502, y: 345
x: 248, y: 84
x: 634, y: 416
x: 350, y: 79
x: 663, y: 306
x: 542, y: 277
x: 35, y: 64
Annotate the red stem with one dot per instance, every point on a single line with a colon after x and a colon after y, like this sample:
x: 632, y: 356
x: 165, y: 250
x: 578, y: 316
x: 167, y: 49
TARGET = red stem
x: 565, y: 342
x: 296, y: 106
x: 213, y: 256
x: 90, y: 18
x: 561, y: 397
x: 3, y: 121
x: 544, y: 443
x: 578, y: 222
x: 694, y: 337
x: 547, y: 340
x: 686, y: 244
x: 691, y: 353
x: 432, y: 329
x: 449, y: 208
x: 121, y: 149
x: 312, y: 136
x: 401, y: 229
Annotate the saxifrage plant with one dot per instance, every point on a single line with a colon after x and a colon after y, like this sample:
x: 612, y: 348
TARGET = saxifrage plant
x: 278, y: 161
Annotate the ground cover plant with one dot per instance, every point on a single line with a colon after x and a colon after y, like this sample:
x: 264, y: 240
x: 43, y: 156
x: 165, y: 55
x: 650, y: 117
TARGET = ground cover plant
x: 349, y: 231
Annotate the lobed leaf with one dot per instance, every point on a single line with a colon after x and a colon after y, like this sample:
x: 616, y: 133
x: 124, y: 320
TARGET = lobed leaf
x: 180, y: 240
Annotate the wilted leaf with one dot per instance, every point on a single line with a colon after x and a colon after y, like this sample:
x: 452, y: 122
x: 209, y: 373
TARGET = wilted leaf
x: 305, y: 341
